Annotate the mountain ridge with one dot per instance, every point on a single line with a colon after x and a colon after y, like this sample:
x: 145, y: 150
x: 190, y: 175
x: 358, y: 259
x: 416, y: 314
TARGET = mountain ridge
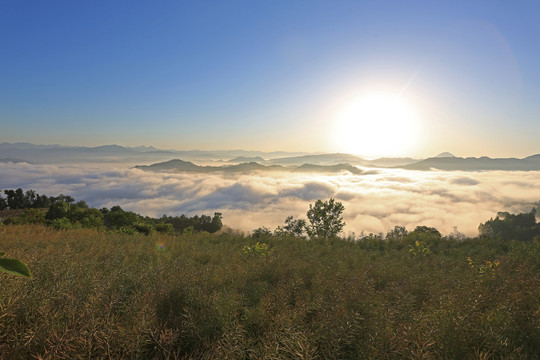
x: 44, y: 154
x: 181, y: 166
x: 483, y: 163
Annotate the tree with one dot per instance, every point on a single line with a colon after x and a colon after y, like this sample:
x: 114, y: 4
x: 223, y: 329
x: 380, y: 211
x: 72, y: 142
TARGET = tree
x: 293, y: 227
x: 15, y: 198
x: 398, y: 233
x: 116, y: 217
x: 260, y: 232
x: 58, y: 210
x: 3, y: 202
x: 325, y: 219
x: 508, y: 226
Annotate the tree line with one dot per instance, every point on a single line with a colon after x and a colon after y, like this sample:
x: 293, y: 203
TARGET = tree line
x: 63, y: 212
x: 325, y: 221
x: 29, y: 199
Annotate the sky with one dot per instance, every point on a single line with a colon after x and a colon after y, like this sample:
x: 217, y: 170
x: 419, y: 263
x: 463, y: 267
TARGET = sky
x: 274, y: 75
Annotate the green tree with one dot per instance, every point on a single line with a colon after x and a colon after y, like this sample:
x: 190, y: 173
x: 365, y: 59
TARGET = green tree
x: 3, y: 202
x: 325, y: 220
x: 260, y: 232
x: 116, y: 217
x: 58, y: 210
x: 293, y: 227
x: 15, y: 198
x: 398, y: 233
x: 508, y: 226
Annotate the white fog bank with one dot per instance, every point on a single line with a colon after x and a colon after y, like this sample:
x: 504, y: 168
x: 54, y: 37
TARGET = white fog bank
x: 374, y: 202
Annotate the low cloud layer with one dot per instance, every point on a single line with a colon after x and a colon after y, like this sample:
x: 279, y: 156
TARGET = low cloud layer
x: 374, y: 202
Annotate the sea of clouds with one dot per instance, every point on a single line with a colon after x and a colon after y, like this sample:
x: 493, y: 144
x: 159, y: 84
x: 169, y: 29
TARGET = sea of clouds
x: 375, y: 201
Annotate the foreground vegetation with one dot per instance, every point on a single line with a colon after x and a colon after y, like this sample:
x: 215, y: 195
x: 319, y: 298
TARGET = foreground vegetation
x: 102, y: 294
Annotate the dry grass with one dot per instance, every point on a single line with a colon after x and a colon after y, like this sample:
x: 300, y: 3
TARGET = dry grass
x: 108, y: 295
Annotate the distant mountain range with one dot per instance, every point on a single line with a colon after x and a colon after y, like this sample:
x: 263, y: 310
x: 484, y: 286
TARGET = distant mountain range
x: 47, y: 154
x: 327, y: 159
x: 241, y: 160
x: 477, y: 164
x: 188, y: 167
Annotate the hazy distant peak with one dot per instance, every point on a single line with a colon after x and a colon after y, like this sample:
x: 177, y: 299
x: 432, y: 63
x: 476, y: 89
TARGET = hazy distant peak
x: 246, y: 159
x: 444, y: 155
x: 144, y: 148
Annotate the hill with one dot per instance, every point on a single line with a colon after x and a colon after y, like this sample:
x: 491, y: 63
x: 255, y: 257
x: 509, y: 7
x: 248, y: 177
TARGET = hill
x: 97, y: 294
x: 477, y: 164
x: 246, y: 159
x: 177, y: 165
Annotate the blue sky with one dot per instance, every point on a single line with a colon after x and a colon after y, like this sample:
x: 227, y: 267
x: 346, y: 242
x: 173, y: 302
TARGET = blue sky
x: 268, y: 75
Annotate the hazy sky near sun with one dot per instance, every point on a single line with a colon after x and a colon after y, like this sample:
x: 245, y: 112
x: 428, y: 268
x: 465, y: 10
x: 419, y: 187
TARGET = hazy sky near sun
x: 270, y: 75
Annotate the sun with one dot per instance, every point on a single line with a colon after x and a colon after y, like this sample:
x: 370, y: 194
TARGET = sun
x: 377, y: 124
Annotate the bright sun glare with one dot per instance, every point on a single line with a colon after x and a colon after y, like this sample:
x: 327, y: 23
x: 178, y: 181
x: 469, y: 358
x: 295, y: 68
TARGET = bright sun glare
x: 377, y: 124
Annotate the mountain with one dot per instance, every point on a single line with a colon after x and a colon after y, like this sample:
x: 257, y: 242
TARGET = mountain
x: 245, y: 159
x: 11, y: 160
x: 333, y: 159
x: 391, y: 162
x: 47, y: 154
x: 530, y: 163
x: 328, y: 168
x: 319, y: 159
x: 173, y: 165
x: 182, y: 166
x: 276, y: 161
x: 444, y: 155
x: 62, y: 154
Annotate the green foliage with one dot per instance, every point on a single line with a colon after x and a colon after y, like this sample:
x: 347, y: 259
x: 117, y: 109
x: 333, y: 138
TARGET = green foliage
x: 426, y: 232
x: 325, y: 220
x: 188, y: 230
x: 118, y: 218
x: 143, y: 228
x: 508, y: 226
x: 197, y: 223
x: 62, y: 212
x: 58, y: 210
x: 13, y: 266
x: 398, y: 233
x: 18, y: 199
x: 292, y: 227
x: 488, y: 268
x: 29, y: 216
x: 164, y: 228
x: 61, y: 224
x: 261, y: 232
x: 419, y: 248
x: 257, y: 250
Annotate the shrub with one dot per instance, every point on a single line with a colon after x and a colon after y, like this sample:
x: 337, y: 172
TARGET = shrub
x: 259, y: 249
x: 261, y: 232
x: 61, y: 224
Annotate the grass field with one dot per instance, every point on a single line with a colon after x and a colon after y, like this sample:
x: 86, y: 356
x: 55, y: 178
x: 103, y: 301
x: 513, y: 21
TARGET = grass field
x: 108, y: 295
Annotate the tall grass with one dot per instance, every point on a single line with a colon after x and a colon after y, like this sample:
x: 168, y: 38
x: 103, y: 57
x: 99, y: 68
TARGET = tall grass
x: 109, y: 295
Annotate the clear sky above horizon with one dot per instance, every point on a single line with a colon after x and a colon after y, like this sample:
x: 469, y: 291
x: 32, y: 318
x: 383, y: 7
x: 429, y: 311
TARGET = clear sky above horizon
x: 272, y: 75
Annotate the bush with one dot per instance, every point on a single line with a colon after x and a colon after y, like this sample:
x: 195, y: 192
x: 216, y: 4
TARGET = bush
x: 61, y: 224
x: 143, y: 228
x: 164, y: 228
x: 261, y: 232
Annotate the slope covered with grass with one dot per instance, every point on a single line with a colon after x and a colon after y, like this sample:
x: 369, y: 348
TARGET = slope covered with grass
x: 99, y: 295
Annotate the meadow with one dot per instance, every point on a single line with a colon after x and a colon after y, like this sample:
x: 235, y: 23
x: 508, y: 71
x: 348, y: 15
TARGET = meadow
x: 100, y: 294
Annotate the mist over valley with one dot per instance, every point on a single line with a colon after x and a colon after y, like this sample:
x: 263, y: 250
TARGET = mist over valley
x: 265, y: 191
